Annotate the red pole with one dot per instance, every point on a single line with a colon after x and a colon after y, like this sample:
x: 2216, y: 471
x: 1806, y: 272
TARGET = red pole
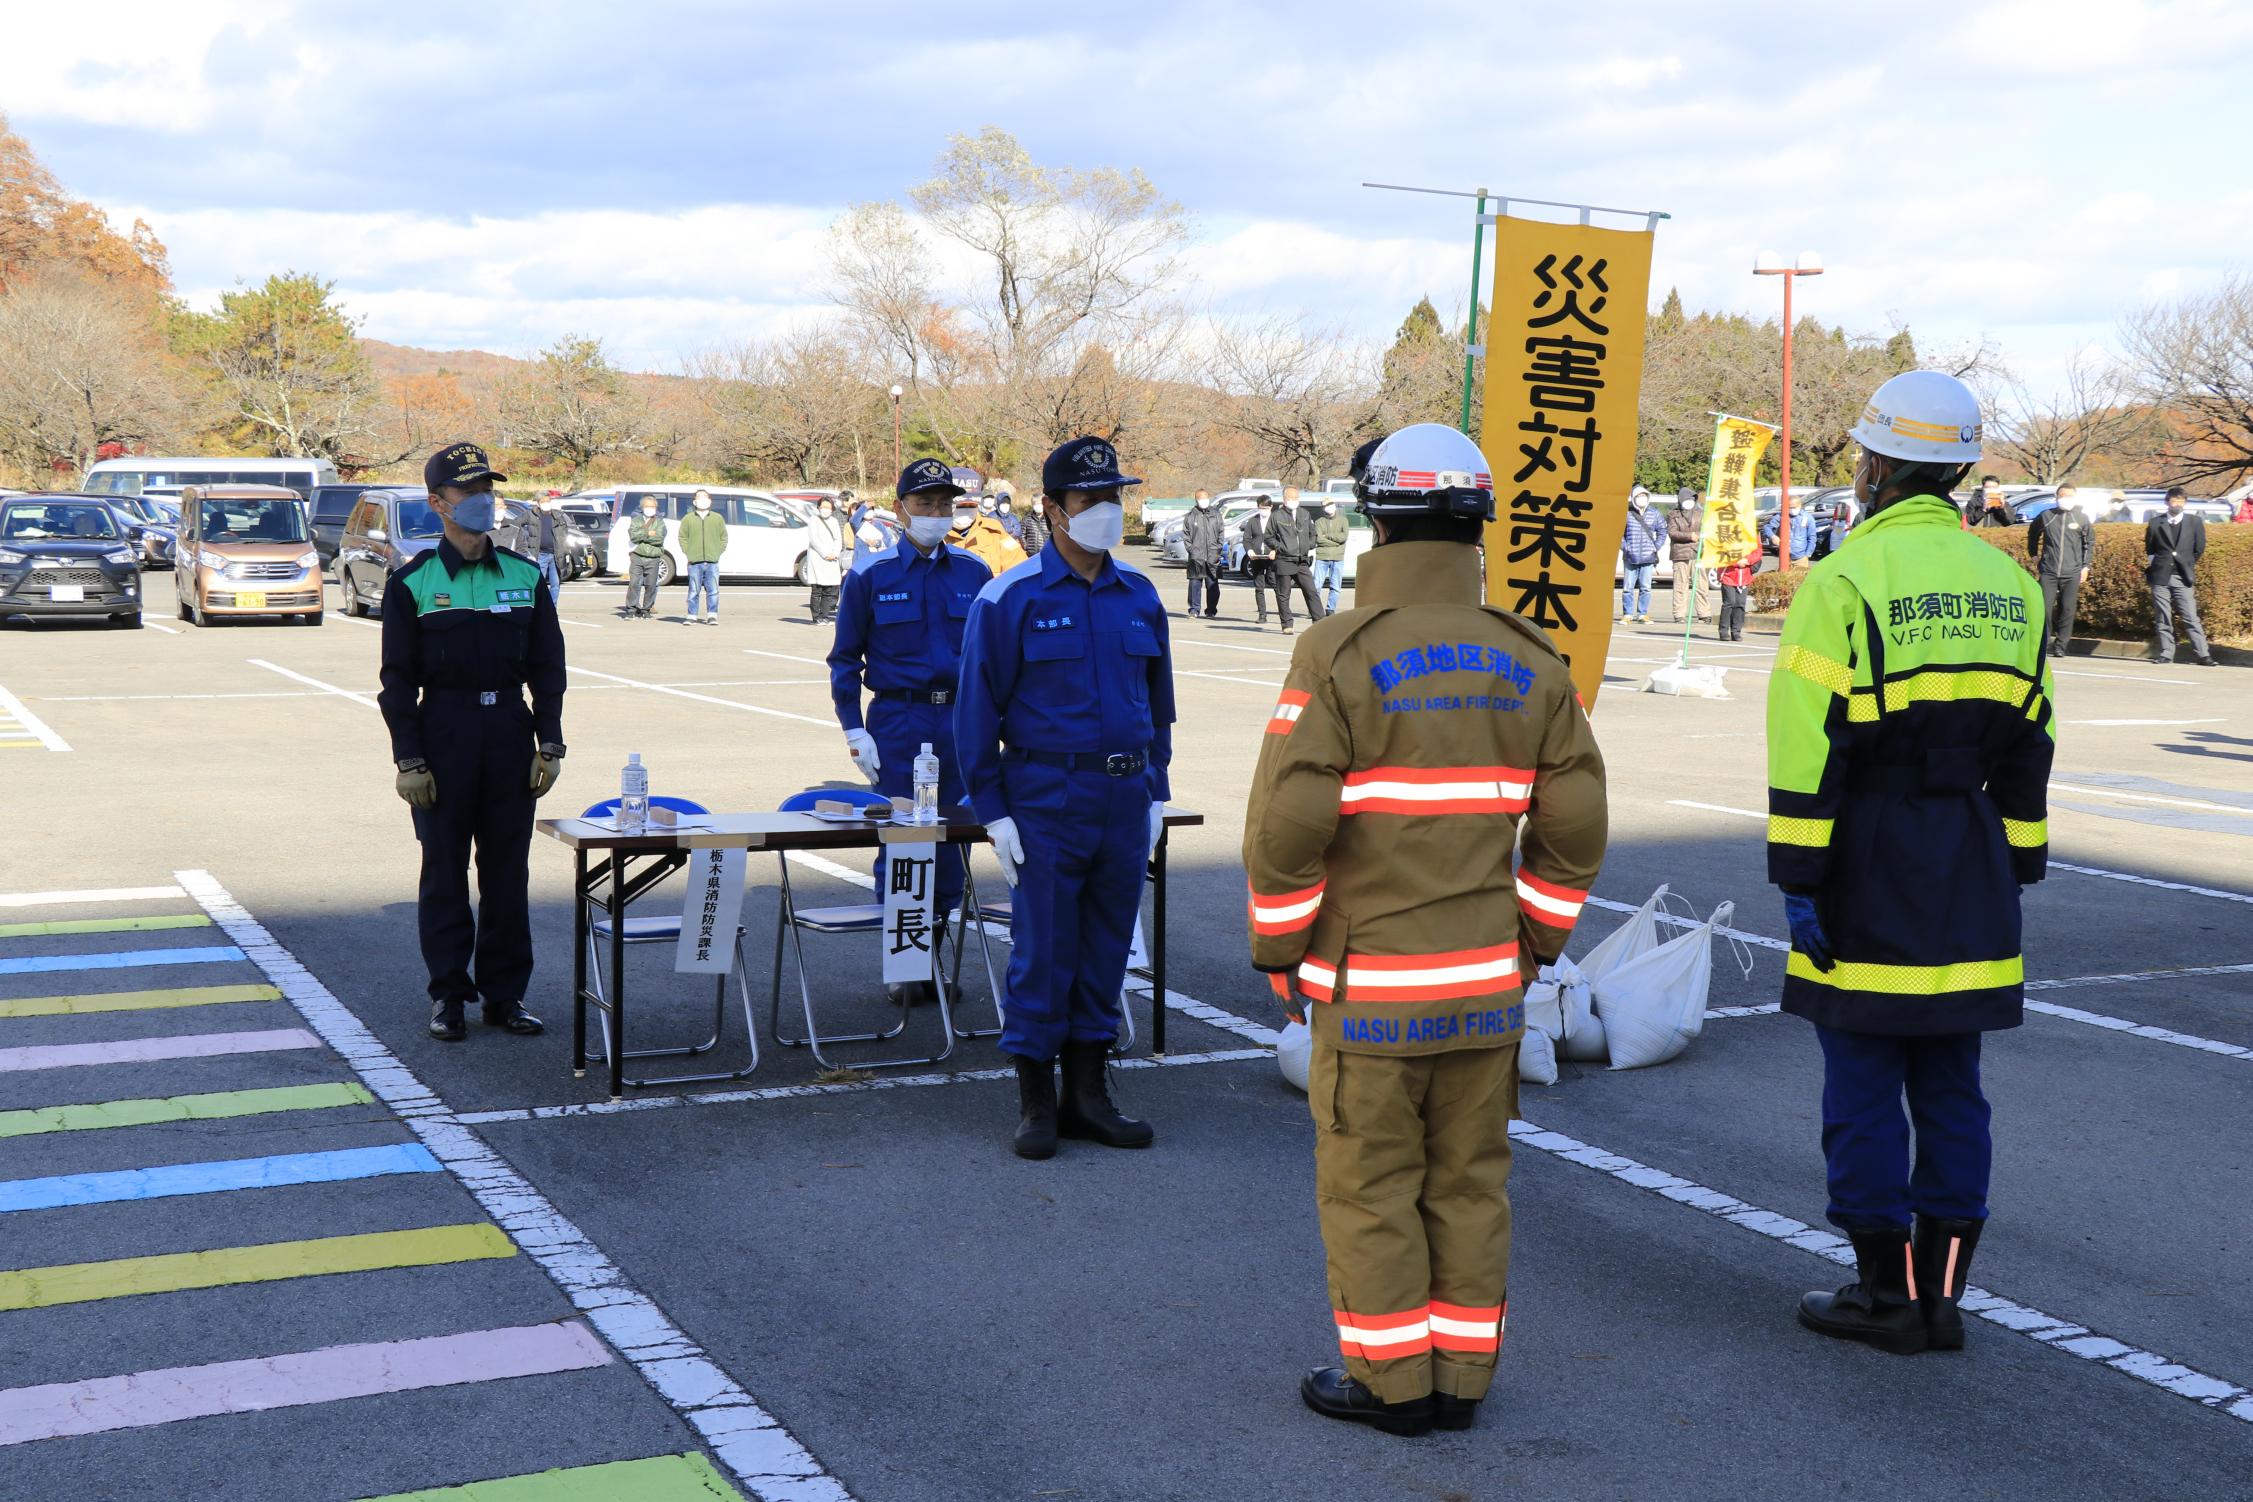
x: 1783, y: 523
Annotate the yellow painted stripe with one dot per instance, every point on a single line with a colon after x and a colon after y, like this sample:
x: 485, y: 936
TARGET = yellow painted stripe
x: 102, y: 926
x: 2027, y: 834
x: 663, y: 1478
x: 1814, y: 833
x: 83, y: 1282
x: 211, y: 1106
x: 1910, y: 980
x: 32, y: 742
x: 134, y: 1001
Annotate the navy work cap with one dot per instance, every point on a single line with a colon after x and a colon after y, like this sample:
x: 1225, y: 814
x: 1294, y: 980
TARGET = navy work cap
x: 1083, y: 464
x: 926, y: 475
x: 458, y: 464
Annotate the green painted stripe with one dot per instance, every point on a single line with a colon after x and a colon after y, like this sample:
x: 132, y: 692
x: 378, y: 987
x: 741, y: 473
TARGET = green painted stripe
x: 103, y: 926
x: 170, y: 1272
x: 664, y: 1478
x: 155, y: 1109
x: 134, y: 1001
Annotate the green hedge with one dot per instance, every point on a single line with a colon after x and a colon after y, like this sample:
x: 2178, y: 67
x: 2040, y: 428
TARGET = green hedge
x: 2115, y: 602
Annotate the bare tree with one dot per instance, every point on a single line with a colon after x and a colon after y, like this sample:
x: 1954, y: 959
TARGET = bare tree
x: 1304, y: 395
x: 2094, y: 413
x: 798, y: 403
x: 80, y: 367
x: 2194, y: 360
x: 573, y: 406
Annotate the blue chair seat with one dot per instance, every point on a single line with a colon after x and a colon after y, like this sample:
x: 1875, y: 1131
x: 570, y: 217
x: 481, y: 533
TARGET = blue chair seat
x: 858, y: 917
x: 647, y: 930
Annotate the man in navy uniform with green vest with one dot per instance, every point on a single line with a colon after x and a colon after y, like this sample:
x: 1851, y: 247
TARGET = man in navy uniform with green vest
x: 466, y: 630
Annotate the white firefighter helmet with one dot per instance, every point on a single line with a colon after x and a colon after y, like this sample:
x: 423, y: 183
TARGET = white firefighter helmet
x: 1924, y: 416
x: 1427, y: 468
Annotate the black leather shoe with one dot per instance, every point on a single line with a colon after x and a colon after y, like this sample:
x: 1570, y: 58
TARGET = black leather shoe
x: 1451, y: 1412
x: 2206, y: 662
x: 1331, y: 1393
x: 446, y: 1024
x: 511, y: 1015
x: 1944, y: 1249
x: 1876, y: 1308
x: 1085, y: 1110
x: 1036, y: 1108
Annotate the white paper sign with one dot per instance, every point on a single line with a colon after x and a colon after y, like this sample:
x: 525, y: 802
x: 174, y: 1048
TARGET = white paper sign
x: 910, y: 877
x: 1138, y: 955
x: 711, y: 912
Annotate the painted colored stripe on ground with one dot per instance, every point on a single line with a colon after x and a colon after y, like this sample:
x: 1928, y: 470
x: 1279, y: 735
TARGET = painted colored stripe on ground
x: 170, y: 1181
x: 102, y: 926
x: 274, y: 1262
x: 149, y: 1050
x: 90, y: 894
x: 214, y: 1106
x: 12, y: 708
x: 664, y: 1478
x: 143, y: 1399
x: 129, y: 959
x: 134, y: 1001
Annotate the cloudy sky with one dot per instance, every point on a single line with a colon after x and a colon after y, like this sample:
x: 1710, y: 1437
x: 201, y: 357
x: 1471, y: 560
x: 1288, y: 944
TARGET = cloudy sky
x: 662, y: 173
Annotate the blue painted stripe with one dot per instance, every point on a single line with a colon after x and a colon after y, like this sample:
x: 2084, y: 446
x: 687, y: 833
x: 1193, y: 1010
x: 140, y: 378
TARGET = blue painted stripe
x: 125, y: 960
x: 213, y: 1178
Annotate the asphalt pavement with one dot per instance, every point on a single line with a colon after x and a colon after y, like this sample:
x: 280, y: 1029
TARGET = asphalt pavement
x: 261, y: 1238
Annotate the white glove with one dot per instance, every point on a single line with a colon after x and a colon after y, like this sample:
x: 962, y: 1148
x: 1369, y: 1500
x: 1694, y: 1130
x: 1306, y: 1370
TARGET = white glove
x: 1157, y: 828
x: 1007, y: 847
x: 861, y: 746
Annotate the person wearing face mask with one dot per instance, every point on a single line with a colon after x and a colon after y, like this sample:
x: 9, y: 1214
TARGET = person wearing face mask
x: 1032, y: 529
x: 704, y: 539
x: 467, y: 628
x: 1005, y: 512
x: 981, y: 532
x: 1065, y: 725
x: 1291, y: 533
x: 825, y: 561
x: 1201, y: 537
x: 1331, y: 531
x: 2173, y: 542
x: 1259, y: 532
x: 2060, y: 542
x: 645, y: 534
x: 548, y: 518
x: 899, y: 637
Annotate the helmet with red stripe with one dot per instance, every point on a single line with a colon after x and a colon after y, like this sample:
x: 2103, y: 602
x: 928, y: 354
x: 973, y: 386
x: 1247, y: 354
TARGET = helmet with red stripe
x: 1427, y: 469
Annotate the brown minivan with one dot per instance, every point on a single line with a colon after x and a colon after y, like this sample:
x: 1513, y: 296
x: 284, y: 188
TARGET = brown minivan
x: 246, y: 550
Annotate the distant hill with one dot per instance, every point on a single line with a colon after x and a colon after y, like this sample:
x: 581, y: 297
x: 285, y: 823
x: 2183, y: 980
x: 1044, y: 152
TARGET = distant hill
x: 394, y: 360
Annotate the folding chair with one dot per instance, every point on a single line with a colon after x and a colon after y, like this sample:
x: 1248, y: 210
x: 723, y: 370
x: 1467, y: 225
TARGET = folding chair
x: 665, y: 928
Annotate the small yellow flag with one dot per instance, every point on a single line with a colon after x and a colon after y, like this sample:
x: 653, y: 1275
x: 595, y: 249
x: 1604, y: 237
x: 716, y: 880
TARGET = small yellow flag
x: 1730, y: 534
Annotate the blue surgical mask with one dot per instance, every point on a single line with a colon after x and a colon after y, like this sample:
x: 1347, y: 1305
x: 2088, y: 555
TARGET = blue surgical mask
x: 474, y: 513
x: 928, y: 531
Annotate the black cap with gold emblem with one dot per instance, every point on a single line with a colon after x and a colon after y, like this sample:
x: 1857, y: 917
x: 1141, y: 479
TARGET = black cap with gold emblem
x: 458, y: 464
x: 1083, y: 464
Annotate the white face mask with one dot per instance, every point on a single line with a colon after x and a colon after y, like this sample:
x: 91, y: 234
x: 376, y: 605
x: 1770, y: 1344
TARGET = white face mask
x: 703, y: 503
x: 1292, y: 502
x: 1100, y: 528
x: 1330, y: 509
x: 1204, y: 503
x: 962, y: 520
x: 928, y: 531
x: 647, y: 512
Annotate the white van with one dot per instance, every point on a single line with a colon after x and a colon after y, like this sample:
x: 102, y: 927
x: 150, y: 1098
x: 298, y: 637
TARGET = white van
x: 134, y: 474
x: 766, y: 535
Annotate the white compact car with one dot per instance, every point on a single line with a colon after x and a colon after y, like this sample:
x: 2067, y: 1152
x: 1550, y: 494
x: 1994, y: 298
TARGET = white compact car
x: 766, y: 536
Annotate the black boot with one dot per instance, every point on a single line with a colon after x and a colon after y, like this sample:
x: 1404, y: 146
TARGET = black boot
x: 1944, y: 1250
x: 1330, y: 1392
x: 1036, y: 1108
x: 511, y: 1015
x: 1451, y: 1412
x: 446, y: 1024
x: 1086, y: 1110
x: 1876, y: 1308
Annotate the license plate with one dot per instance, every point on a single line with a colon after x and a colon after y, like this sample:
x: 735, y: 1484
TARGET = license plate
x: 66, y: 592
x: 251, y: 602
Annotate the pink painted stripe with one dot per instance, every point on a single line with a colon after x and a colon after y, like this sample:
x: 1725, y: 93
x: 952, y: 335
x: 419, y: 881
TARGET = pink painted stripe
x: 103, y: 1404
x: 147, y: 1050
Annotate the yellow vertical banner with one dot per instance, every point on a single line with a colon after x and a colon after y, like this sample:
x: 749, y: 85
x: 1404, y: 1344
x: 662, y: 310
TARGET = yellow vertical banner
x: 1564, y: 369
x: 1730, y: 531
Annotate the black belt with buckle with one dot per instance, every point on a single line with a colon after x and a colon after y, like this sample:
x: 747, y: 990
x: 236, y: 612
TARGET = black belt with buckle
x: 917, y: 695
x: 1110, y: 764
x: 483, y: 698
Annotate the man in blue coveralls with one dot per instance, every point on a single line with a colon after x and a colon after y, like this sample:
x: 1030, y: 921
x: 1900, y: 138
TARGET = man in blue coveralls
x: 899, y: 631
x: 1065, y: 725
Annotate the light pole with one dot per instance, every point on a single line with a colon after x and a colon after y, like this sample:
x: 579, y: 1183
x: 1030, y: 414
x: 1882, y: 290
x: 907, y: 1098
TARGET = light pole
x: 897, y: 393
x: 1768, y: 263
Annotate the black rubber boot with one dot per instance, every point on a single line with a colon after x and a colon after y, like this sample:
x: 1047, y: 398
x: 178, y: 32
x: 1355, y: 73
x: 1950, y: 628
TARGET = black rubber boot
x: 446, y: 1024
x: 1451, y: 1412
x: 1036, y: 1108
x: 1944, y: 1249
x: 1878, y: 1308
x: 1086, y: 1110
x: 1330, y: 1392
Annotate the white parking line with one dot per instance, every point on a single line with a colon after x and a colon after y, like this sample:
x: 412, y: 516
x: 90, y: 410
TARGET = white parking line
x: 353, y: 620
x: 786, y: 657
x: 1715, y: 808
x: 2216, y: 721
x: 2117, y: 677
x: 2219, y: 808
x: 1265, y: 683
x: 679, y: 693
x: 330, y: 688
x: 160, y: 626
x: 1228, y: 646
x: 92, y: 894
x: 12, y: 711
x: 279, y: 693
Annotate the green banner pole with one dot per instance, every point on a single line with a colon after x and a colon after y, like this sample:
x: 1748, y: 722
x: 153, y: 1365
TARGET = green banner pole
x: 1471, y: 329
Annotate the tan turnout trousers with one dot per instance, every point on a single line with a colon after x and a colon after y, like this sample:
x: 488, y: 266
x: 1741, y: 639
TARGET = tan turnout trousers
x: 1411, y: 1177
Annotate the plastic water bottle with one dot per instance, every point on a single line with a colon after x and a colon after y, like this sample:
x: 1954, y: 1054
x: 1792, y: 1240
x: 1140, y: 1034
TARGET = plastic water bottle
x: 927, y: 786
x: 633, y: 796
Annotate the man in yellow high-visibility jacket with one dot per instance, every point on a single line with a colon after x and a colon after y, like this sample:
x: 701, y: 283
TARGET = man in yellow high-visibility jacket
x: 1910, y: 733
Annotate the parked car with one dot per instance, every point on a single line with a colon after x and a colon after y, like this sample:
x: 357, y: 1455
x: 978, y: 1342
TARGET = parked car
x: 766, y: 539
x: 150, y: 529
x: 66, y: 556
x: 136, y: 474
x: 1822, y: 506
x: 387, y: 527
x: 590, y: 519
x: 517, y: 528
x: 331, y: 507
x: 245, y: 550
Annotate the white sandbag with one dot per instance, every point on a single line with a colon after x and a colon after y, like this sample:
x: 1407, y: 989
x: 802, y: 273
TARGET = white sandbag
x: 1684, y: 682
x: 1638, y: 934
x: 1544, y: 1006
x: 1537, y: 1058
x: 1582, y: 1036
x: 1294, y: 1048
x: 1654, y: 1004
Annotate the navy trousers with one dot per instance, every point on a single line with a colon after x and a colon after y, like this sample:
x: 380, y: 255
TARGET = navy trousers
x: 1087, y: 843
x: 1874, y: 1184
x: 481, y: 758
x: 900, y: 730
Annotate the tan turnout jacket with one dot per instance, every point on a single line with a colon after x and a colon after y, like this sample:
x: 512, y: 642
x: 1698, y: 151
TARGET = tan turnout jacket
x: 1419, y: 738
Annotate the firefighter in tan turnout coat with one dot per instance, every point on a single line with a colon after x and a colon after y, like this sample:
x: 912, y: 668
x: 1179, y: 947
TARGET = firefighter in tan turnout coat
x: 1419, y: 738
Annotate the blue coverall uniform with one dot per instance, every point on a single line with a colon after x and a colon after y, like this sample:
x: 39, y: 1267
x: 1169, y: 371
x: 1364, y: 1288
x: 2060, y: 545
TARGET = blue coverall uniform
x: 899, y: 633
x: 1065, y: 724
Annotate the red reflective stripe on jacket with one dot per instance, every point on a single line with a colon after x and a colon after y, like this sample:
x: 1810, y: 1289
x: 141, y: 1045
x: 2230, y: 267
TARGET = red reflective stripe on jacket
x: 1549, y: 902
x: 1288, y: 912
x: 1436, y: 790
x: 1287, y: 711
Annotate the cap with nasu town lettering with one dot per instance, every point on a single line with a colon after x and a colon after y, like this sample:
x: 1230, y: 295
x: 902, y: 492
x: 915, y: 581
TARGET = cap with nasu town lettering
x: 925, y: 476
x: 458, y: 464
x: 1083, y: 464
